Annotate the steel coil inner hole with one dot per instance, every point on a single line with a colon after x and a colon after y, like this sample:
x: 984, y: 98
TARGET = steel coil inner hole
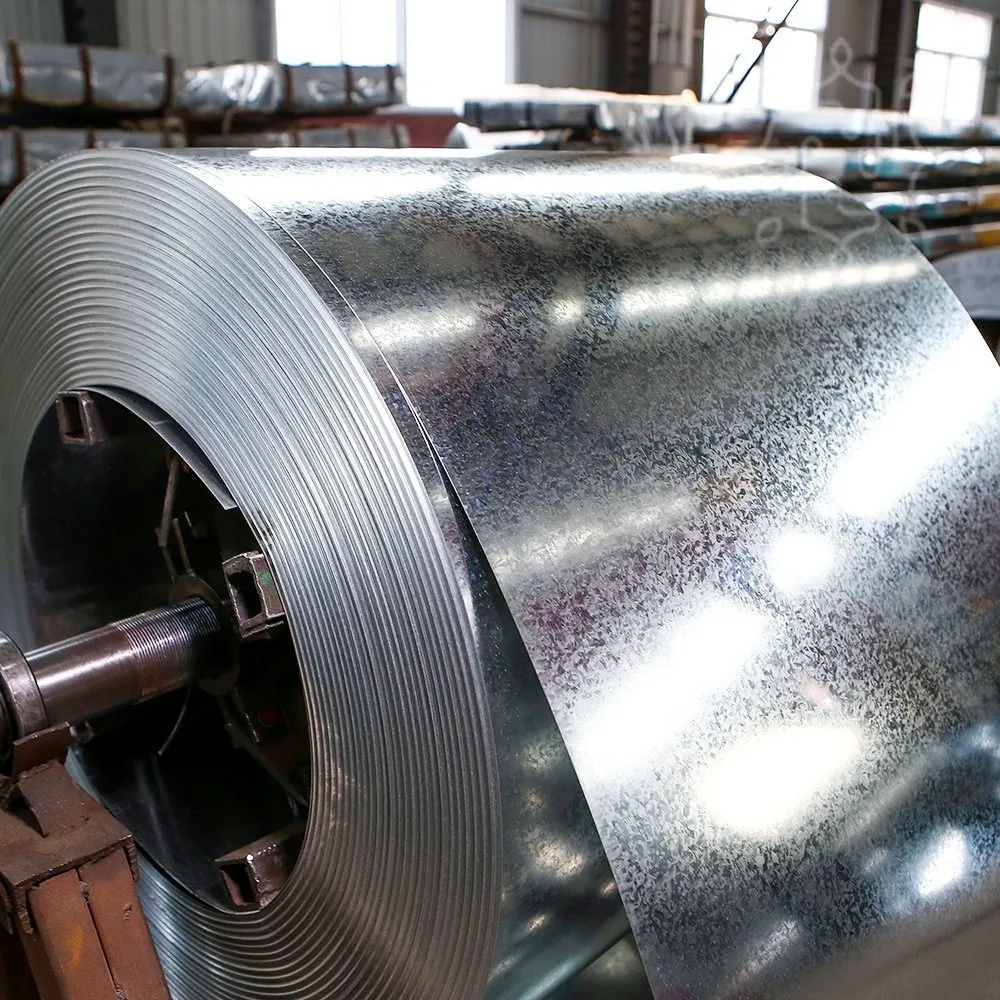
x: 119, y: 518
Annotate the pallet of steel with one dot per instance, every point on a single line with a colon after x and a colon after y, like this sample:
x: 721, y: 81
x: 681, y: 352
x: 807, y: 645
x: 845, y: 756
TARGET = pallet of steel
x: 644, y: 120
x: 39, y: 78
x: 865, y: 168
x: 64, y: 77
x: 348, y: 135
x: 934, y: 206
x: 258, y: 90
x: 25, y: 150
x: 936, y: 243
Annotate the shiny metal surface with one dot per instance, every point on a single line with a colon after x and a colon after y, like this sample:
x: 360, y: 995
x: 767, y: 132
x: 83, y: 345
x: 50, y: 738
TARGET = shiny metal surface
x: 862, y: 167
x: 616, y: 975
x: 448, y: 842
x: 639, y: 121
x: 22, y: 710
x: 936, y: 204
x: 127, y: 662
x: 174, y: 770
x: 938, y: 242
x: 725, y: 442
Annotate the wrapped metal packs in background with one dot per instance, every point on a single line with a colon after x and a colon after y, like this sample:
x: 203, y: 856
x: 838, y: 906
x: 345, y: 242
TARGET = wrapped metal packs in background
x: 376, y: 86
x: 265, y: 88
x: 25, y: 150
x: 120, y: 138
x: 863, y: 167
x: 235, y: 88
x: 60, y: 76
x: 643, y: 119
x: 699, y: 448
x: 51, y: 75
x: 39, y: 146
x: 333, y: 136
x: 130, y: 81
x: 313, y: 89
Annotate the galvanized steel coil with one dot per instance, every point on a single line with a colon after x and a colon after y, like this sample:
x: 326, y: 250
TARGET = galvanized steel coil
x: 711, y: 434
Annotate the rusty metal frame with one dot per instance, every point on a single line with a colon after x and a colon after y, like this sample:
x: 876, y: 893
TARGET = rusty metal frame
x: 67, y: 882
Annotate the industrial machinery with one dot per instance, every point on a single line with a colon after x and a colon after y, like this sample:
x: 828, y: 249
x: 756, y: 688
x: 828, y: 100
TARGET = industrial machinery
x: 465, y: 575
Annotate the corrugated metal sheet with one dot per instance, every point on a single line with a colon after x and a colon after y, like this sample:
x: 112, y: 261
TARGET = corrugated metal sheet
x: 32, y: 20
x: 563, y: 43
x: 195, y: 31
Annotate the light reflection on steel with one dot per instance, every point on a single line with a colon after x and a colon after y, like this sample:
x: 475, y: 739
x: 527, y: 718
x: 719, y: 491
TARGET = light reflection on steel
x: 654, y: 375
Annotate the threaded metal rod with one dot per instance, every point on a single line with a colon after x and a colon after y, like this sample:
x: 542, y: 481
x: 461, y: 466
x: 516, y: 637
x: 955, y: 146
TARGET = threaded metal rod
x: 127, y: 662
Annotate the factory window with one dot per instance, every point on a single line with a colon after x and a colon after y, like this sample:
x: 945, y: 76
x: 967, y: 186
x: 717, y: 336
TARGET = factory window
x: 429, y: 38
x: 950, y: 64
x: 787, y: 76
x: 322, y: 32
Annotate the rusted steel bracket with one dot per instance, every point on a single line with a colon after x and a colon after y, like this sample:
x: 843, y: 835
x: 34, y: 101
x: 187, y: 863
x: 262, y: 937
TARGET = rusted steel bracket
x: 67, y: 879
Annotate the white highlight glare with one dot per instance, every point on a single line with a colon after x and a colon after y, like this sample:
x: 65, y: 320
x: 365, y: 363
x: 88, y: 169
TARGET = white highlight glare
x: 702, y: 657
x: 953, y: 392
x: 799, y: 559
x: 764, y: 786
x: 720, y: 159
x: 567, y: 310
x: 456, y: 49
x: 562, y: 183
x: 587, y: 534
x: 675, y: 296
x: 765, y: 952
x: 349, y: 186
x: 412, y: 327
x: 945, y: 863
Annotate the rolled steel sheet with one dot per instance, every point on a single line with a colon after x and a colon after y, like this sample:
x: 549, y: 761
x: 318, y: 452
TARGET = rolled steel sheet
x: 933, y: 205
x: 861, y: 167
x: 939, y: 242
x: 641, y: 119
x: 721, y: 441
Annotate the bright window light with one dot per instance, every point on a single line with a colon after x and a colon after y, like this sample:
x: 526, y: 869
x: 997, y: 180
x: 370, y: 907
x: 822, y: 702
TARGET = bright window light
x: 441, y: 66
x: 963, y: 98
x: 755, y: 10
x: 728, y: 50
x: 949, y: 69
x: 789, y: 79
x: 809, y: 14
x: 788, y: 75
x: 959, y: 32
x: 368, y: 32
x: 325, y: 32
x: 930, y: 83
x: 455, y: 50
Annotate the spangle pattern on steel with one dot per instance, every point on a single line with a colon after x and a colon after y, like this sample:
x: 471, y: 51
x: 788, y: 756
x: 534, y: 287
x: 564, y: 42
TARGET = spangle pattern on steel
x: 727, y: 444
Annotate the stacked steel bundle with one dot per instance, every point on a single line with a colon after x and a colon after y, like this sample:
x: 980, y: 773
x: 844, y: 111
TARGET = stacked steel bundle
x: 58, y: 99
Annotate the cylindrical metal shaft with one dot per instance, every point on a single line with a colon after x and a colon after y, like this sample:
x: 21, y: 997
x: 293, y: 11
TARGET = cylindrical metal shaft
x: 127, y: 662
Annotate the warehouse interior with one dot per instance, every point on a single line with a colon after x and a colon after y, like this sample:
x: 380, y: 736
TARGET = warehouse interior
x: 497, y: 499
x: 453, y: 51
